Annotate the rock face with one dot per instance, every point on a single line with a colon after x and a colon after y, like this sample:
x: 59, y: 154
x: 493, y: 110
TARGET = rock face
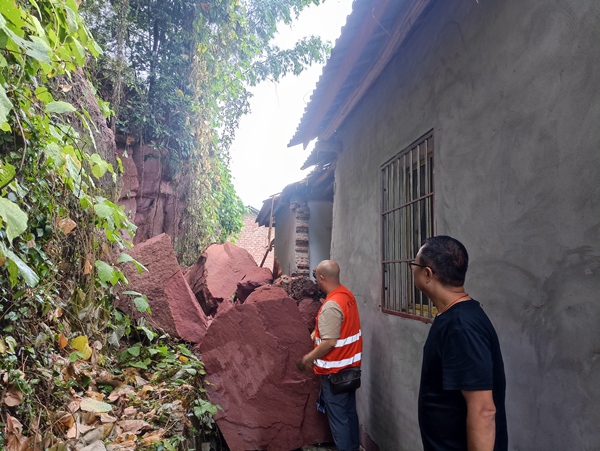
x: 249, y: 354
x: 172, y: 302
x: 309, y: 308
x: 253, y: 279
x: 215, y: 276
x: 267, y: 293
x: 148, y: 192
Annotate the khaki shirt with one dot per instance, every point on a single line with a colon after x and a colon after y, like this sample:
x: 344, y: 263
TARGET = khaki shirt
x: 330, y: 320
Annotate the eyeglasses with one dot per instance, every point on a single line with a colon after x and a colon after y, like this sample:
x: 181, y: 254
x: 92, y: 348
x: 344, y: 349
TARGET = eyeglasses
x: 414, y: 263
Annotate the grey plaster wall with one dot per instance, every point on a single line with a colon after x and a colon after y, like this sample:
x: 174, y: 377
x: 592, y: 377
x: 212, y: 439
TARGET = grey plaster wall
x: 285, y: 241
x: 319, y: 231
x: 511, y: 90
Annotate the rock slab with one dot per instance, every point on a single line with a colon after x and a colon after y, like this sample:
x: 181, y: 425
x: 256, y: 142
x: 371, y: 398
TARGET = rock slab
x: 249, y: 353
x: 172, y: 302
x: 215, y: 276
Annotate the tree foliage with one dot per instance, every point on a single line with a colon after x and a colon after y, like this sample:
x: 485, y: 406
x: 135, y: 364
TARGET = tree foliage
x: 177, y: 73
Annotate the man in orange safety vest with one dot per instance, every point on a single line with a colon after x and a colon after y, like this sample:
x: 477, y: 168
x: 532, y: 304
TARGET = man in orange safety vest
x: 338, y: 347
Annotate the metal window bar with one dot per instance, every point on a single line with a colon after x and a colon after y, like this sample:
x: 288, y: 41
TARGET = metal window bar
x: 407, y: 216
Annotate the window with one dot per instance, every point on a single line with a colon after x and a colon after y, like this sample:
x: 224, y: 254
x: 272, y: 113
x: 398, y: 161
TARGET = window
x: 407, y: 218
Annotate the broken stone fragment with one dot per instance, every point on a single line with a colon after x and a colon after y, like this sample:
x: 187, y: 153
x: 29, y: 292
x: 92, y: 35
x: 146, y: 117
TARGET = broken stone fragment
x: 173, y: 306
x: 215, y: 276
x: 249, y: 353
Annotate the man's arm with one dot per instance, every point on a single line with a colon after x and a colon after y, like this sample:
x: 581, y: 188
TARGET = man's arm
x: 321, y: 350
x: 481, y: 420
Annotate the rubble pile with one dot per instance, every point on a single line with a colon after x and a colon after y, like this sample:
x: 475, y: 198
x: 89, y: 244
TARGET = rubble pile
x: 250, y: 332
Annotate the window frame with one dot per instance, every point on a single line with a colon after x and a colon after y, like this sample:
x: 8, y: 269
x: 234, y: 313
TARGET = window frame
x: 414, y: 172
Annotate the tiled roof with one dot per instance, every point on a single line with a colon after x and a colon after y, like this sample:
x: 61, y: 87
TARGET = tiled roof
x: 373, y: 33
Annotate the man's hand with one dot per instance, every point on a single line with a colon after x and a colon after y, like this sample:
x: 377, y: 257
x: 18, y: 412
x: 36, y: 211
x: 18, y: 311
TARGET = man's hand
x: 305, y: 364
x: 322, y: 350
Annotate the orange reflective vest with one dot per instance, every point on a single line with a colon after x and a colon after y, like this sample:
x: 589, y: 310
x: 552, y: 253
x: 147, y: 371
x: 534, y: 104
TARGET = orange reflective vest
x: 348, y: 349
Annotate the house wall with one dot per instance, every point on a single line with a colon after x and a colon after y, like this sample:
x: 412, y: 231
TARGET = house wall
x: 285, y: 241
x: 319, y: 231
x: 255, y: 239
x: 512, y: 92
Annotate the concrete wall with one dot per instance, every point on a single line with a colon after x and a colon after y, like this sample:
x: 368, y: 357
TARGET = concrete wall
x: 319, y: 231
x: 511, y: 90
x: 285, y: 239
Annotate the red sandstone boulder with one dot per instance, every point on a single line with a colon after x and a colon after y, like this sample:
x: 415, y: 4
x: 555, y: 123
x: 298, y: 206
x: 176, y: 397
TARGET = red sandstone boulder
x: 309, y: 308
x: 216, y: 274
x: 267, y: 293
x: 172, y: 302
x: 249, y: 353
x: 253, y: 279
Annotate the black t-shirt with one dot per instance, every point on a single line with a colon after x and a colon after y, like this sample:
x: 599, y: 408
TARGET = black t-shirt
x: 461, y: 353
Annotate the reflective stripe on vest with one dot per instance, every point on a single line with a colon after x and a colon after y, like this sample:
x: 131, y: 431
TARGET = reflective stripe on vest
x: 343, y: 342
x: 338, y: 363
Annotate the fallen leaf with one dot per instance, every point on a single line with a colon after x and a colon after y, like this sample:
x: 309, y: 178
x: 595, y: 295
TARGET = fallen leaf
x: 62, y: 341
x: 91, y: 405
x: 106, y: 418
x: 2, y: 261
x: 13, y: 397
x: 87, y: 266
x: 134, y: 426
x: 152, y: 437
x: 31, y: 244
x: 73, y: 406
x: 2, y: 346
x: 65, y: 88
x: 65, y: 419
x: 129, y: 411
x: 14, y: 435
x: 78, y: 429
x: 80, y: 343
x: 140, y: 381
x: 94, y: 395
x: 66, y: 225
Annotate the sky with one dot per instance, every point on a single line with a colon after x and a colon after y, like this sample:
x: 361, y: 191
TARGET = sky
x: 261, y: 162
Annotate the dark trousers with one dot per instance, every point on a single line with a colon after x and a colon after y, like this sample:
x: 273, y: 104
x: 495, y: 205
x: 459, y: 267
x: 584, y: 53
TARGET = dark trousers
x: 341, y: 413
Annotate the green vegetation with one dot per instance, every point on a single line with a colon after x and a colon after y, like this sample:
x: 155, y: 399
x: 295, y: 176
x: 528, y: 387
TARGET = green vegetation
x: 176, y: 74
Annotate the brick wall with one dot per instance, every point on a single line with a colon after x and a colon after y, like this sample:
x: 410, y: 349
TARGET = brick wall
x: 253, y: 238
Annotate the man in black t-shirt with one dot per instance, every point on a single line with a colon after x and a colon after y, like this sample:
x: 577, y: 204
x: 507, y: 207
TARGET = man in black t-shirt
x: 461, y: 398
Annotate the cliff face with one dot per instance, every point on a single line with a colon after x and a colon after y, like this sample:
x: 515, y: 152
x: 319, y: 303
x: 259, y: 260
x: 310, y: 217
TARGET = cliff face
x: 151, y: 191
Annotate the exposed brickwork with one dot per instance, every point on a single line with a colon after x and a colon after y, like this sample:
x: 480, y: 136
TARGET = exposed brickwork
x: 302, y: 212
x: 254, y: 239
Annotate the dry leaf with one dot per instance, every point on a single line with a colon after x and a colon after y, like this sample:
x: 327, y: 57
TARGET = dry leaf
x: 66, y: 225
x: 65, y: 88
x: 129, y: 412
x: 134, y: 426
x: 78, y: 429
x: 2, y: 261
x: 13, y: 397
x: 150, y: 438
x: 87, y: 266
x: 65, y: 419
x: 31, y: 243
x: 62, y: 341
x: 73, y: 406
x: 106, y: 418
x: 95, y: 395
x: 14, y: 437
x: 140, y: 381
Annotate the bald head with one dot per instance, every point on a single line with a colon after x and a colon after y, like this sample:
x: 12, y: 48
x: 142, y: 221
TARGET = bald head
x: 328, y: 275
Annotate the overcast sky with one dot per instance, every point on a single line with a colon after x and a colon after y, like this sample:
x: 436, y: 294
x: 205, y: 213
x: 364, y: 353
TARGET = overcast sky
x: 261, y: 162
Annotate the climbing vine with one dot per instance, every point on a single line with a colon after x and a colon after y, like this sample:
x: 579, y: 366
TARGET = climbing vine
x: 62, y: 239
x: 179, y: 79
